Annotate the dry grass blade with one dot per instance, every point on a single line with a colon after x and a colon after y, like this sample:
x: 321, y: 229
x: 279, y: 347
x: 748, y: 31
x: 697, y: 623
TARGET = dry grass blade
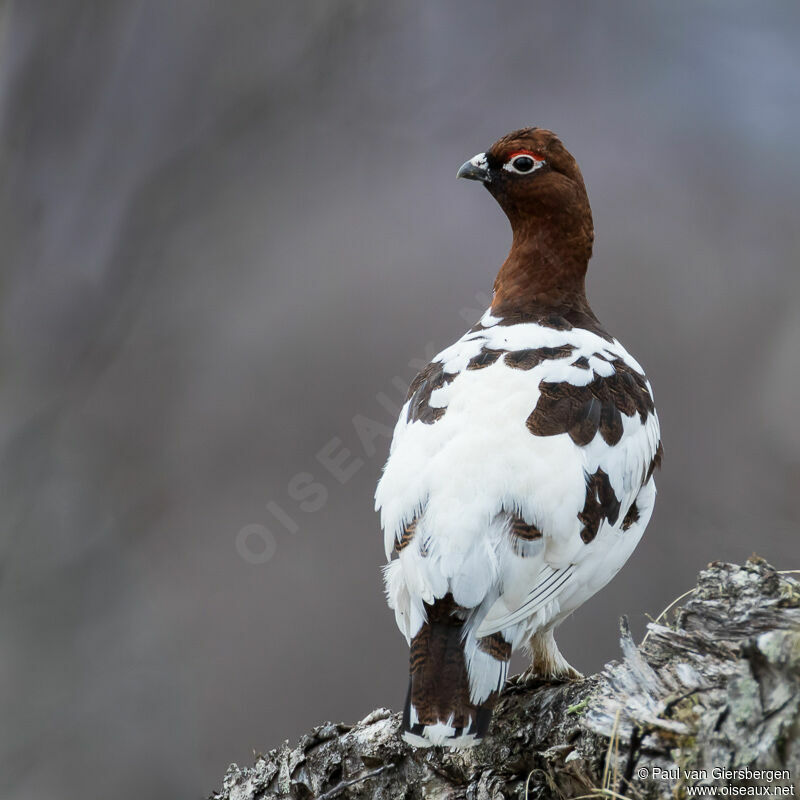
x: 603, y: 793
x: 611, y: 750
x: 528, y: 783
x: 668, y: 609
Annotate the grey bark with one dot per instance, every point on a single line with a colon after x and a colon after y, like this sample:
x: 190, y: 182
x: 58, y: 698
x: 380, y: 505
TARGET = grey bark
x: 714, y: 687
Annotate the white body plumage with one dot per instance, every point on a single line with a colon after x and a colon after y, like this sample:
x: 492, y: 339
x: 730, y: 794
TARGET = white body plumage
x: 467, y: 465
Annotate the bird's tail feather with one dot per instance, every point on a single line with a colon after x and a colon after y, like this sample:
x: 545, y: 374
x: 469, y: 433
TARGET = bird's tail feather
x: 442, y: 707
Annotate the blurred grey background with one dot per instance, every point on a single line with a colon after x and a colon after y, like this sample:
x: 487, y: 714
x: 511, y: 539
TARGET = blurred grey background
x: 229, y: 231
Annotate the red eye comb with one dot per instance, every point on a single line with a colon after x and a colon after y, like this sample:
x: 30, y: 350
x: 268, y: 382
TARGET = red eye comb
x: 534, y: 156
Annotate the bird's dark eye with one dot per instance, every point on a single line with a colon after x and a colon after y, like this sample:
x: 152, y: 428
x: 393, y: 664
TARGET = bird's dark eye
x: 523, y: 163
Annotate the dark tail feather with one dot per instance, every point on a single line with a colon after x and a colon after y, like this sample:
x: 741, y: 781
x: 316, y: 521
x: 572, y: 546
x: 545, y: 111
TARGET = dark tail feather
x: 438, y: 709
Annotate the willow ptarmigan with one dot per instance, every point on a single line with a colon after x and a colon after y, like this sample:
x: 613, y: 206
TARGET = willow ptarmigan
x: 520, y: 477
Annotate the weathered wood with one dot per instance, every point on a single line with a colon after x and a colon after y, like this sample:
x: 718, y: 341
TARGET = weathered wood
x: 717, y: 688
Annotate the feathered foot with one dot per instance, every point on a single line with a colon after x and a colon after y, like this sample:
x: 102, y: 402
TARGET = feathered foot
x: 547, y: 667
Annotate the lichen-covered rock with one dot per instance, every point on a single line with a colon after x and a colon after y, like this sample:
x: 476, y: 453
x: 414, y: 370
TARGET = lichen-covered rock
x: 713, y: 698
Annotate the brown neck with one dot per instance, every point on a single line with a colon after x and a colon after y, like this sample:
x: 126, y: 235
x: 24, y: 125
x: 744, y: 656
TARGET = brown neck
x: 545, y: 269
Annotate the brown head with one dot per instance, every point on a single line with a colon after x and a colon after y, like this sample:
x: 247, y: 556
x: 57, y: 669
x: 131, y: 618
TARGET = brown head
x: 540, y: 188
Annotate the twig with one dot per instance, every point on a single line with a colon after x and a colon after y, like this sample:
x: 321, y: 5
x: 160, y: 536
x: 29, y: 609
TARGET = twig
x: 634, y: 751
x: 340, y: 787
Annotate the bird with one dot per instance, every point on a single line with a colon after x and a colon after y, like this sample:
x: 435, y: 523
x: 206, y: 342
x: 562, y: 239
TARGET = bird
x: 520, y: 475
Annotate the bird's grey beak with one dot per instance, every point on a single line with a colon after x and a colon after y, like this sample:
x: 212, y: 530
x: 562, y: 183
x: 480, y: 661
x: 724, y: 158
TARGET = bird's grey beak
x: 476, y: 169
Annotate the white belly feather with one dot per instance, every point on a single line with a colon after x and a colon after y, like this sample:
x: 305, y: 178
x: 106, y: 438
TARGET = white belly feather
x: 461, y: 476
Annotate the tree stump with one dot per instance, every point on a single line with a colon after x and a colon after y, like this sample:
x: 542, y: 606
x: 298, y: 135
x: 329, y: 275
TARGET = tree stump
x: 711, y: 698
